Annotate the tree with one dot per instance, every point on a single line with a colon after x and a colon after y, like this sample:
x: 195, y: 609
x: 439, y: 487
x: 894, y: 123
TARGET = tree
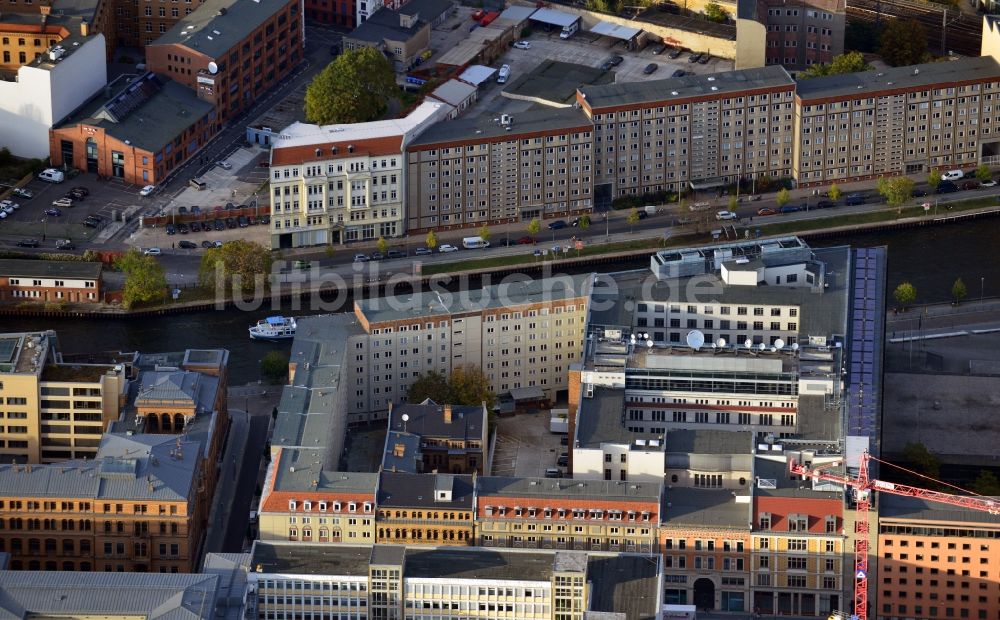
x: 240, y: 263
x: 917, y: 455
x: 851, y: 62
x: 274, y: 367
x: 896, y: 190
x: 382, y: 245
x: 716, y: 13
x: 584, y: 222
x: 958, y: 291
x: 934, y: 178
x: 905, y: 294
x: 834, y: 192
x: 986, y: 484
x: 145, y: 279
x: 432, y: 240
x: 903, y: 42
x: 356, y: 87
x: 983, y: 173
x: 484, y: 232
x: 783, y: 197
x: 534, y: 226
x: 733, y: 203
x: 633, y: 218
x: 467, y: 385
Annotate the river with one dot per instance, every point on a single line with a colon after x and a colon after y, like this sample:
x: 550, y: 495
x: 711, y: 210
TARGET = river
x: 930, y: 258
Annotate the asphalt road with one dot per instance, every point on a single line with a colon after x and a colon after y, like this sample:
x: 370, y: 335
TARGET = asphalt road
x: 239, y: 515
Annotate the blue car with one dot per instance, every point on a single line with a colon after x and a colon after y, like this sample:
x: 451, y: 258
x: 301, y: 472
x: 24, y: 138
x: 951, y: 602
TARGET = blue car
x: 790, y: 209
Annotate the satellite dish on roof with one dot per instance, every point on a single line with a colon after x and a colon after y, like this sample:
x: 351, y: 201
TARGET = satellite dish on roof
x: 213, y: 68
x: 795, y: 346
x: 761, y: 346
x: 695, y: 339
x: 748, y: 343
x: 406, y: 417
x: 721, y: 342
x: 774, y: 349
x: 779, y: 344
x: 649, y: 344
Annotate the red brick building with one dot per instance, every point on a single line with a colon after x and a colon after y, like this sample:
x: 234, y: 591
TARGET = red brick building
x: 50, y: 281
x: 335, y: 12
x: 230, y: 52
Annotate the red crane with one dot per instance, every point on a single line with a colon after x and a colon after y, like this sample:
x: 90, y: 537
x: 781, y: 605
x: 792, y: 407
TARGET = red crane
x: 863, y: 486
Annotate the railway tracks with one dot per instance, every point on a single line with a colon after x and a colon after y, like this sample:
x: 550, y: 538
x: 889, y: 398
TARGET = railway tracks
x: 946, y: 31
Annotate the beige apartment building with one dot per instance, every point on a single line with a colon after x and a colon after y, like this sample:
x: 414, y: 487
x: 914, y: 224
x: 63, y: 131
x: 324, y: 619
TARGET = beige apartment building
x: 698, y: 131
x: 336, y: 183
x: 903, y: 120
x: 482, y: 171
x: 54, y: 411
x: 524, y: 336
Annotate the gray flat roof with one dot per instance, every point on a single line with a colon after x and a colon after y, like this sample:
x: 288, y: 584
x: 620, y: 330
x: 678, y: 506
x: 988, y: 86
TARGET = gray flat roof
x: 405, y: 490
x: 429, y: 303
x: 454, y: 92
x: 384, y: 24
x: 615, y: 31
x: 961, y: 70
x: 158, y: 121
x: 297, y: 559
x: 427, y: 420
x: 689, y: 86
x: 556, y: 82
x: 625, y: 584
x: 912, y: 509
x: 216, y: 26
x: 554, y: 17
x: 600, y: 419
x: 26, y: 594
x: 709, y: 441
x: 704, y: 508
x: 50, y: 269
x: 299, y: 469
x: 486, y: 126
x: 604, y: 490
x: 788, y: 486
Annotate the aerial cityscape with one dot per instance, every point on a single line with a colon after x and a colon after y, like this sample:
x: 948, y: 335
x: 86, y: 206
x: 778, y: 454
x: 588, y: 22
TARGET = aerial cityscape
x: 499, y: 309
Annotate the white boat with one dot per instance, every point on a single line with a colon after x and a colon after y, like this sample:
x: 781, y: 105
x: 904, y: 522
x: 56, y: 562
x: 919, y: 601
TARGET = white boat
x: 273, y: 328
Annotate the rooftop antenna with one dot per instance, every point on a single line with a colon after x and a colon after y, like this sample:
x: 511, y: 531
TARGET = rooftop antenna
x: 405, y: 418
x: 695, y: 339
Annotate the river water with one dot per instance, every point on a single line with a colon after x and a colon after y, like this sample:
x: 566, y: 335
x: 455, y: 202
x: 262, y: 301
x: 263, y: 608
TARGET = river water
x: 930, y: 258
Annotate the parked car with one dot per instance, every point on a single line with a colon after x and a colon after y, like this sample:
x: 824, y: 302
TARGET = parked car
x: 195, y: 226
x: 422, y: 251
x: 184, y: 244
x: 952, y: 175
x: 361, y: 258
x: 183, y: 229
x: 616, y: 60
x: 678, y: 73
x: 564, y: 440
x: 725, y: 215
x: 53, y: 212
x: 8, y: 205
x: 83, y: 190
x: 989, y: 183
x: 171, y: 229
x: 946, y: 187
x: 523, y: 45
x: 23, y: 192
x: 378, y: 256
x: 563, y: 460
x: 971, y: 185
x: 526, y: 240
x: 446, y: 248
x: 225, y: 165
x: 28, y: 243
x: 217, y: 244
x: 791, y: 208
x: 152, y: 252
x: 146, y: 191
x: 553, y: 472
x: 75, y: 194
x: 675, y: 53
x: 659, y: 49
x: 207, y: 244
x: 651, y: 68
x: 265, y: 219
x: 90, y: 223
x: 231, y: 222
x: 182, y: 209
x: 918, y: 193
x: 242, y: 221
x: 396, y: 254
x: 825, y: 204
x: 854, y: 199
x: 65, y: 244
x: 694, y: 57
x: 219, y: 225
x: 63, y: 202
x: 196, y: 209
x: 704, y: 59
x: 558, y: 224
x: 766, y: 211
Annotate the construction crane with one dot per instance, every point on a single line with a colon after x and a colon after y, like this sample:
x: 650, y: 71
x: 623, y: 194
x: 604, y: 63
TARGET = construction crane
x: 863, y: 486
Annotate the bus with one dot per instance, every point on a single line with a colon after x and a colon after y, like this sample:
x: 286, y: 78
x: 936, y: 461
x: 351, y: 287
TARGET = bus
x: 474, y: 243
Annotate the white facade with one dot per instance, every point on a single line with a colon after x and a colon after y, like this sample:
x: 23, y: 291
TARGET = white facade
x: 619, y: 461
x: 44, y: 95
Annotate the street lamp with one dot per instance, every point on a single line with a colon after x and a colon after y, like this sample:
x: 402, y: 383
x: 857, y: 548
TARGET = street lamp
x: 982, y: 288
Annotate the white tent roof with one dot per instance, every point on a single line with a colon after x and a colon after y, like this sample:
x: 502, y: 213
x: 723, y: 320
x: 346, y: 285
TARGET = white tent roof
x: 477, y: 74
x: 554, y: 17
x: 607, y: 29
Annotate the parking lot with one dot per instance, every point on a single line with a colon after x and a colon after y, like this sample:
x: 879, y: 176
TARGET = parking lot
x: 525, y: 447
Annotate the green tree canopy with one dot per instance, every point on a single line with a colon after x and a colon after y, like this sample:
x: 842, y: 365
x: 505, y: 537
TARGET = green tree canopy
x: 782, y: 197
x: 467, y: 385
x: 274, y: 367
x: 850, y: 62
x: 896, y: 190
x: 484, y: 232
x: 834, y: 192
x: 432, y: 240
x: 382, y: 245
x: 714, y: 12
x: 903, y: 42
x: 240, y: 261
x: 958, y: 290
x: 905, y: 294
x: 633, y: 218
x: 983, y: 173
x: 584, y: 222
x: 534, y: 226
x: 145, y: 279
x: 355, y: 88
x: 986, y: 484
x: 921, y: 459
x: 934, y: 178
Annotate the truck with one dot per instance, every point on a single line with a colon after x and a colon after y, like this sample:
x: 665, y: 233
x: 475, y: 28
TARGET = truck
x: 651, y: 209
x: 474, y: 243
x: 569, y: 30
x: 680, y: 612
x: 559, y: 421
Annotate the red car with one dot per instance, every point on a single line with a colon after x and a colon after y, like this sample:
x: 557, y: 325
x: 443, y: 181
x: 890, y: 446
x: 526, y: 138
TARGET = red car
x: 264, y: 164
x: 525, y: 241
x: 766, y: 211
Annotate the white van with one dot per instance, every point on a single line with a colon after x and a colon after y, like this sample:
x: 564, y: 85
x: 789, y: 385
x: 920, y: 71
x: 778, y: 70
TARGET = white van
x: 474, y: 243
x: 952, y: 175
x: 570, y: 30
x: 52, y: 175
x: 503, y: 74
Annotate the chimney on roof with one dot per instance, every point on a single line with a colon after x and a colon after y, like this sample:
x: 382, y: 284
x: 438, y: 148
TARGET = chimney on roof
x: 447, y: 414
x: 84, y: 29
